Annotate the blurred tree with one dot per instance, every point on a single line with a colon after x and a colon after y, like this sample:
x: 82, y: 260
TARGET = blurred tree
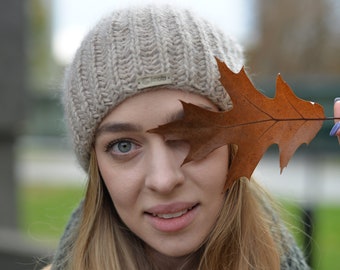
x: 41, y: 65
x: 44, y: 73
x: 297, y: 37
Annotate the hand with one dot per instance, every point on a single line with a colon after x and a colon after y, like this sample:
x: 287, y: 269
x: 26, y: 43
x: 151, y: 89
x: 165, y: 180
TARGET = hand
x: 336, y: 128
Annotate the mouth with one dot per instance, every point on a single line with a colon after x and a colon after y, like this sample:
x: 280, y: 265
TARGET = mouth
x: 172, y: 218
x: 173, y: 214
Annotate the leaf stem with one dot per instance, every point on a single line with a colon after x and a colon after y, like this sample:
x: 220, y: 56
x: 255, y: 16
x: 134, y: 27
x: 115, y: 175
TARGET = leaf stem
x: 283, y: 119
x: 331, y: 118
x: 307, y: 119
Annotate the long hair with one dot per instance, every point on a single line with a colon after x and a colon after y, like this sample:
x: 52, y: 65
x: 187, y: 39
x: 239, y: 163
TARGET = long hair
x: 242, y: 237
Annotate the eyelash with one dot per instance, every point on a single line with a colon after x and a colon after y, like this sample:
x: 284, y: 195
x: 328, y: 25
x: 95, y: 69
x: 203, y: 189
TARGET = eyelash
x: 109, y: 147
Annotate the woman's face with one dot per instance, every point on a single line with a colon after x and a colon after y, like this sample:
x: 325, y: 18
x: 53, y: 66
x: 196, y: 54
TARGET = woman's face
x: 171, y: 207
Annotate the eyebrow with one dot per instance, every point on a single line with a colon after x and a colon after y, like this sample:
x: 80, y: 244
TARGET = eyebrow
x: 118, y: 127
x: 129, y: 127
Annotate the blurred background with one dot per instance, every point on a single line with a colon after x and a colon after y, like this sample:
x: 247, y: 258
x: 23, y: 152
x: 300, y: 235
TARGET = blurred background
x: 40, y: 181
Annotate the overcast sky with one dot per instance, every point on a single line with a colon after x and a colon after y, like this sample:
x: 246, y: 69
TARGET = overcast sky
x: 72, y: 19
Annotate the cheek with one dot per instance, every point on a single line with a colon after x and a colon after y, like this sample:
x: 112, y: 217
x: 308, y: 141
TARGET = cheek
x: 220, y: 162
x: 122, y: 184
x: 212, y: 171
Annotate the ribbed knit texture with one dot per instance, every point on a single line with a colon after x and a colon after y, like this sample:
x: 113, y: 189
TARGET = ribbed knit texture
x: 138, y: 42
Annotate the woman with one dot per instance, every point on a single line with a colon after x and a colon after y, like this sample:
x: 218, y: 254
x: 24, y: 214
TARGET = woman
x: 143, y: 209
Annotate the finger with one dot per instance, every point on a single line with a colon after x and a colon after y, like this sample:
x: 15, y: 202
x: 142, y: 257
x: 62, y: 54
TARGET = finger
x: 337, y: 109
x: 335, y: 129
x: 337, y: 115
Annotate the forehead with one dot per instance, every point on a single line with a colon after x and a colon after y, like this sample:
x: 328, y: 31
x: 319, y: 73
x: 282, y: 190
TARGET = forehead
x: 154, y: 105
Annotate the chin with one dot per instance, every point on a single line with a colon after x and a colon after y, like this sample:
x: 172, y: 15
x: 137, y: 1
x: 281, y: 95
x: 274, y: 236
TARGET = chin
x: 177, y: 252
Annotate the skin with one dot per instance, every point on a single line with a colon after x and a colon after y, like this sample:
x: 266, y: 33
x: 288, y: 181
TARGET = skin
x: 145, y: 176
x: 337, y: 114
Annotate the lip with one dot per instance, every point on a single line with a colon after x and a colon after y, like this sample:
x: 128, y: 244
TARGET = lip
x: 172, y: 217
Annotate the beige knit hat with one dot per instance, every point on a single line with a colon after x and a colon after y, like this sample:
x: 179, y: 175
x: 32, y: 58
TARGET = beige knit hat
x: 135, y: 49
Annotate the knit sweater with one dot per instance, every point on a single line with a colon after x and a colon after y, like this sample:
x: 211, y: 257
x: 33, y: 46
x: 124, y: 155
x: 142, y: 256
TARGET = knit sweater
x: 292, y: 259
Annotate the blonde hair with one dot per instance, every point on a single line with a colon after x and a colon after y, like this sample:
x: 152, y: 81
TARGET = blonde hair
x: 242, y: 237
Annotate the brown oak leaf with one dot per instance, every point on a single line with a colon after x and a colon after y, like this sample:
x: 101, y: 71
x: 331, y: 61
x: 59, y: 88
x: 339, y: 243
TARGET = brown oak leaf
x: 254, y: 123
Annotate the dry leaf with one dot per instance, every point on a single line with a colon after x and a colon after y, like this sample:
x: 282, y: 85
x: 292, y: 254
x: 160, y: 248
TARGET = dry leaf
x: 254, y: 123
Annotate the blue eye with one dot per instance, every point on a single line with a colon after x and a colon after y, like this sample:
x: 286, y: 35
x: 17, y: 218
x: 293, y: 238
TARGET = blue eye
x: 121, y: 147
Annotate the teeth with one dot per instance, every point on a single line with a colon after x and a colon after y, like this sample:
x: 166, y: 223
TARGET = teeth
x: 171, y: 215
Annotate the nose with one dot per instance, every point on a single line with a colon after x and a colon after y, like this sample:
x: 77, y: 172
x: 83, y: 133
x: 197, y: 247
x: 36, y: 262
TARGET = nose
x: 164, y: 171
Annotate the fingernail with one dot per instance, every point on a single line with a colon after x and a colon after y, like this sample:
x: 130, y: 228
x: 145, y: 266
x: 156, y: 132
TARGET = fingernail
x: 334, y: 129
x: 337, y: 99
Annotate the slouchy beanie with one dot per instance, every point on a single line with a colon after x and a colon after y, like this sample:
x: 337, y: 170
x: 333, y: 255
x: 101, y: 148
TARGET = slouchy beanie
x: 132, y: 50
